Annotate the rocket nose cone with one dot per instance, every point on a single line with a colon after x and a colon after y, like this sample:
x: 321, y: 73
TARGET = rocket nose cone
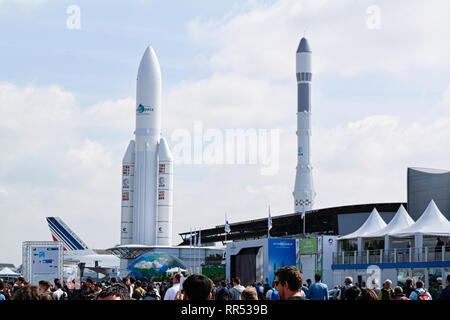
x: 164, y: 151
x: 303, y: 46
x: 149, y: 64
x: 129, y: 154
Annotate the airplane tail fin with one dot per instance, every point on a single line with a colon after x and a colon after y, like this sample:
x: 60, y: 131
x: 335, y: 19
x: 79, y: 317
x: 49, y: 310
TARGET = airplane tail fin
x: 61, y: 232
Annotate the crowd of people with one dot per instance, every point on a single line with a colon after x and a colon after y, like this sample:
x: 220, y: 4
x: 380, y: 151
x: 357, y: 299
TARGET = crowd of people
x: 410, y: 291
x: 288, y: 285
x: 125, y: 289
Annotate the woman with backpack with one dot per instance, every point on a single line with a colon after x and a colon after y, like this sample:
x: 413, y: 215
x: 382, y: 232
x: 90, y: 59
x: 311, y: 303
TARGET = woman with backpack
x: 420, y: 293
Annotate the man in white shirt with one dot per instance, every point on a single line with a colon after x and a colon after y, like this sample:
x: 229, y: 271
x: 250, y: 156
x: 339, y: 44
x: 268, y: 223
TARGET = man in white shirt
x: 172, y: 291
x: 237, y: 289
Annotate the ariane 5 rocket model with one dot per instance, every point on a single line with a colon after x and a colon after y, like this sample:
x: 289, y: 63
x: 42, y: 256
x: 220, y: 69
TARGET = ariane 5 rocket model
x: 147, y: 167
x: 303, y: 190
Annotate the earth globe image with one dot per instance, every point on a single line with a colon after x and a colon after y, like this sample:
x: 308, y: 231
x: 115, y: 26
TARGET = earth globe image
x: 152, y: 264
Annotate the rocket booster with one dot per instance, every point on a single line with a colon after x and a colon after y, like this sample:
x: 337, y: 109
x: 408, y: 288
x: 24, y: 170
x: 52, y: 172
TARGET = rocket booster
x: 141, y: 163
x: 304, y: 193
x: 127, y: 195
x: 165, y: 194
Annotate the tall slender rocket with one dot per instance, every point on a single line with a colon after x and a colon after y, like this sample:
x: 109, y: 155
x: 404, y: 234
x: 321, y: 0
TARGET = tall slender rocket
x: 304, y: 193
x: 148, y: 132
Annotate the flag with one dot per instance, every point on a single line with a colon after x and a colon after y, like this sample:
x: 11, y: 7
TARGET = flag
x: 195, y: 238
x: 303, y: 211
x: 227, y: 225
x: 190, y: 237
x: 269, y: 221
x: 199, y: 238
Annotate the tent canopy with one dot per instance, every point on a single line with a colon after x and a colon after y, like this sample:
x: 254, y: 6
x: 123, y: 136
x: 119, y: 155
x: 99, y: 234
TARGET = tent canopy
x: 431, y: 223
x: 7, y: 272
x: 373, y: 224
x: 400, y: 221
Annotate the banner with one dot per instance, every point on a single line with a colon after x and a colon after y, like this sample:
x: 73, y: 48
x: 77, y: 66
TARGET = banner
x: 308, y: 246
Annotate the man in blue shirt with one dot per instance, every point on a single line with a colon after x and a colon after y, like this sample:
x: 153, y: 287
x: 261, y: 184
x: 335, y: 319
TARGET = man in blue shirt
x: 272, y: 294
x: 318, y: 290
x: 275, y: 295
x: 223, y: 293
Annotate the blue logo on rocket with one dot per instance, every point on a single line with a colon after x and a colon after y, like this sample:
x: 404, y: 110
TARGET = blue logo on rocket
x: 143, y: 109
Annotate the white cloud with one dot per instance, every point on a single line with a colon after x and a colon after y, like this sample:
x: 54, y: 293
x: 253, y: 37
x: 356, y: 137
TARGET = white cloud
x: 260, y: 42
x: 53, y: 164
x: 105, y: 114
x: 30, y: 118
x: 365, y: 161
x: 7, y: 5
x: 227, y: 100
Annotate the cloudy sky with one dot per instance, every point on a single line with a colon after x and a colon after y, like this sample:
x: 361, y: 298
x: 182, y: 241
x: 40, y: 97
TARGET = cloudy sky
x: 381, y: 103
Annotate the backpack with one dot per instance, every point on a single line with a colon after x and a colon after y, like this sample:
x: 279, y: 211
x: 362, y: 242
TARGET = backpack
x: 422, y: 296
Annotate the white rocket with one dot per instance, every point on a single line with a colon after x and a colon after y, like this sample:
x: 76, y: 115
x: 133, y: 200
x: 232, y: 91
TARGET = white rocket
x: 304, y: 193
x: 147, y: 168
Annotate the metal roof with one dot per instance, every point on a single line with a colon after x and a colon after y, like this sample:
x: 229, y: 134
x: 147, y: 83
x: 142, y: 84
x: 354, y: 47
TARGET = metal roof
x: 320, y: 221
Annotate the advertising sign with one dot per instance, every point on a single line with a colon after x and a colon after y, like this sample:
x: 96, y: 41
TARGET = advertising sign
x: 308, y: 246
x: 320, y: 256
x: 281, y: 254
x: 42, y: 260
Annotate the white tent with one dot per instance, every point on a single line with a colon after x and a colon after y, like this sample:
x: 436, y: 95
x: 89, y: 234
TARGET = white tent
x: 431, y: 223
x: 373, y: 224
x: 7, y: 272
x: 400, y: 221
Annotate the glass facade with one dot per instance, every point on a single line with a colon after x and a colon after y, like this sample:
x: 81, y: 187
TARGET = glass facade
x: 418, y: 274
x: 402, y: 275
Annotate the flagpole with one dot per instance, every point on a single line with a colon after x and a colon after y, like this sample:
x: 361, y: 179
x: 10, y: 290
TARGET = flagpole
x: 226, y: 221
x: 304, y: 224
x: 199, y: 250
x: 190, y: 249
x: 196, y: 254
x: 194, y: 245
x: 304, y: 218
